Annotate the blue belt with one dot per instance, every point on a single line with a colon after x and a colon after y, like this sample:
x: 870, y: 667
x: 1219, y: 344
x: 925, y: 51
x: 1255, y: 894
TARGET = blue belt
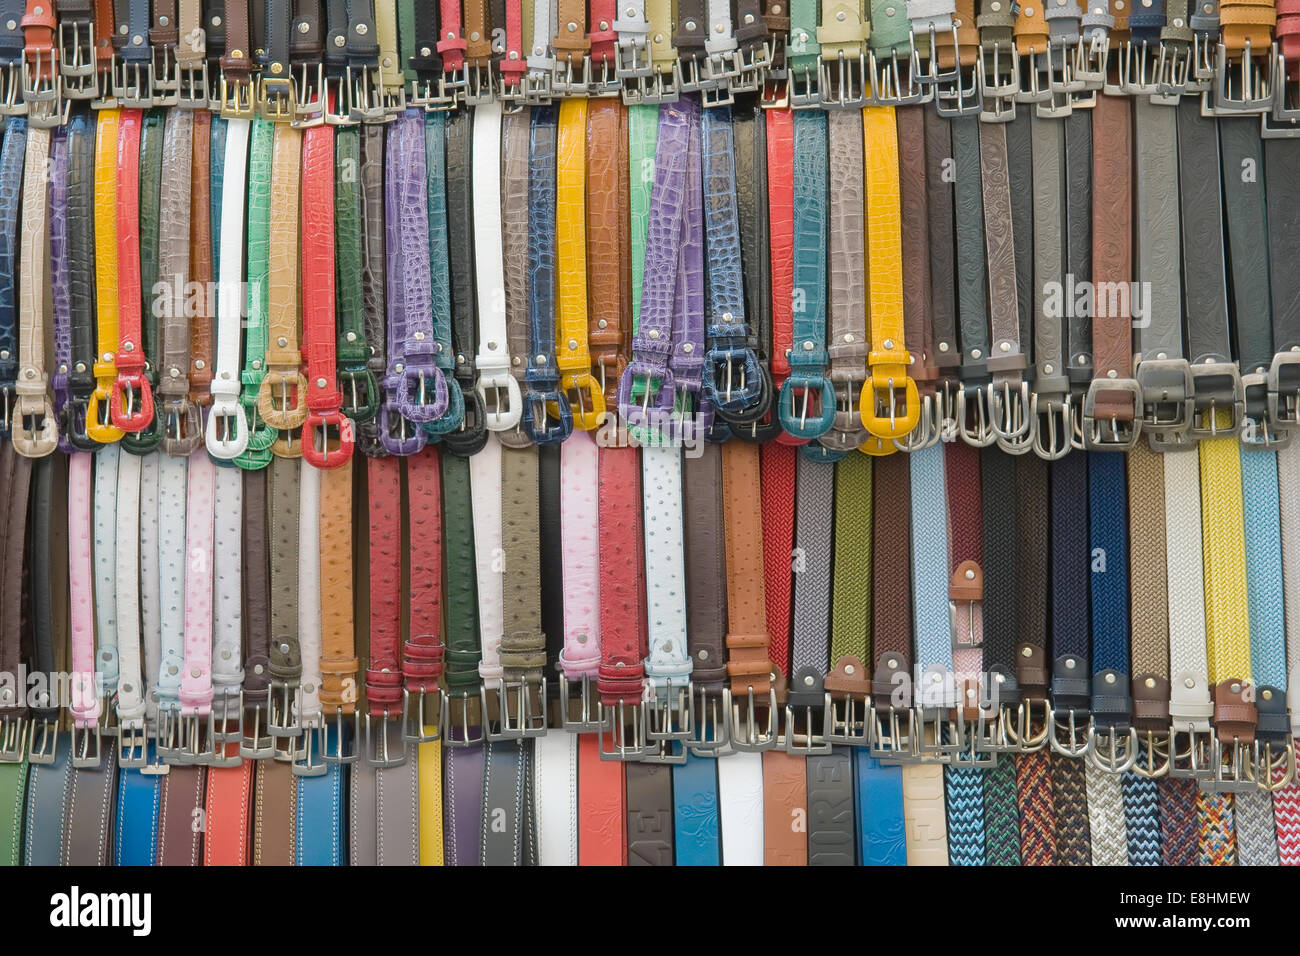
x: 695, y: 812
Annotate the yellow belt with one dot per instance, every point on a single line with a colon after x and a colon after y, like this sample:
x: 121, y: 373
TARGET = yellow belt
x: 98, y: 426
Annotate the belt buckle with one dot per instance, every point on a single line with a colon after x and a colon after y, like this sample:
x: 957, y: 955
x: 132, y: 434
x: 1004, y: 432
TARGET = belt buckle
x: 307, y: 94
x: 1113, y: 749
x: 653, y: 89
x: 43, y: 741
x: 253, y: 744
x: 276, y: 99
x: 1258, y: 430
x: 999, y: 82
x: 529, y: 716
x: 929, y: 426
x: 43, y: 90
x: 1193, y: 761
x: 279, y: 717
x: 343, y: 751
x: 414, y: 719
x: 537, y: 88
x: 1284, y: 391
x: 226, y: 432
x: 751, y: 67
x: 974, y: 418
x: 168, y: 748
x: 131, y: 84
x: 1173, y: 76
x: 893, y: 734
x: 1035, y: 72
x: 365, y: 101
x: 307, y: 753
x: 812, y: 416
x: 499, y: 392
x: 34, y: 431
x: 1056, y: 412
x: 11, y: 88
x: 238, y: 100
x: 585, y: 399
x: 605, y: 79
x: 163, y: 79
x: 1266, y: 763
x: 1013, y: 426
x: 803, y: 87
x: 448, y: 722
x: 398, y: 436
x: 376, y: 747
x: 1153, y: 744
x: 479, y: 88
x: 181, y: 424
x: 1233, y: 768
x: 1215, y: 386
x: 623, y: 727
x: 1021, y: 732
x: 749, y: 732
x: 133, y: 744
x: 846, y: 719
x: 734, y: 381
x: 430, y: 94
x: 192, y: 86
x: 585, y: 722
x: 196, y: 739
x: 710, y: 726
x: 87, y: 745
x: 1090, y: 64
x: 959, y: 96
x: 14, y: 735
x: 669, y: 710
x: 964, y: 738
x: 1251, y: 93
x: 1122, y: 434
x: 1138, y: 69
x: 688, y: 76
x: 564, y: 82
x: 392, y: 98
x: 328, y: 439
x: 888, y: 87
x: 841, y: 83
x: 77, y: 64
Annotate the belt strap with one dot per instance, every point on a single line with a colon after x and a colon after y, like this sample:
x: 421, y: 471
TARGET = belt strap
x: 831, y: 819
x: 374, y: 271
x: 78, y: 272
x: 260, y: 165
x: 182, y: 430
x: 555, y: 774
x: 608, y: 246
x: 131, y: 400
x: 227, y: 568
x: 695, y: 812
x: 34, y: 427
x: 205, y: 184
x: 227, y: 433
x: 180, y: 799
x: 650, y: 833
x: 486, y: 488
x: 356, y: 381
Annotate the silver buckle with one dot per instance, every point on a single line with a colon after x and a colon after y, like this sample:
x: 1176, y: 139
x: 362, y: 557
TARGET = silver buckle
x: 462, y: 701
x: 562, y: 81
x: 163, y: 76
x: 585, y: 722
x: 376, y: 745
x: 1235, y: 774
x: 478, y: 88
x: 132, y: 84
x: 1216, y: 386
x: 168, y: 748
x: 626, y: 737
x: 1112, y: 750
x: 982, y: 434
x: 1076, y: 742
x: 842, y: 81
x: 1266, y: 763
x: 133, y: 744
x: 803, y: 90
x: 710, y: 723
x: 192, y: 86
x: 197, y: 747
x: 414, y: 720
x: 1253, y: 90
x: 87, y: 745
x: 1195, y: 761
x: 843, y: 724
x: 961, y: 96
x: 1120, y: 435
x: 77, y: 59
x: 344, y: 744
x: 307, y: 758
x: 747, y: 734
x: 46, y: 107
x: 1054, y: 420
x: 893, y: 734
x: 887, y: 86
x: 1150, y: 746
x: 364, y: 95
x: 1013, y: 426
x: 252, y: 743
x: 280, y: 722
x: 669, y: 710
x: 43, y: 745
x: 999, y: 82
x: 529, y: 717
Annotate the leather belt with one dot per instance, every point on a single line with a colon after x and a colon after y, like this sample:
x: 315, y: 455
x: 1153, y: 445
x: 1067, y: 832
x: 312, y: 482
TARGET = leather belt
x: 227, y: 433
x: 257, y: 454
x: 11, y: 168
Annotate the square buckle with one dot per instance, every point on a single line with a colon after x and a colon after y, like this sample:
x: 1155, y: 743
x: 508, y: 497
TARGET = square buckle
x: 133, y: 744
x: 529, y: 716
x: 710, y: 724
x: 132, y: 84
x: 1216, y: 386
x: 1191, y: 752
x: 622, y: 726
x: 563, y: 81
x: 415, y: 724
x: 280, y: 723
x: 163, y: 76
x: 803, y: 87
x: 365, y: 102
x: 1252, y: 91
x: 307, y: 755
x: 841, y: 82
x: 587, y: 701
x: 253, y: 744
x: 1233, y: 768
x: 276, y: 99
x: 196, y: 739
x: 192, y: 86
x: 43, y: 744
x: 888, y: 87
x: 893, y: 735
x: 87, y: 745
x: 479, y: 88
x: 470, y: 724
x: 377, y: 745
x: 237, y: 99
x: 750, y: 733
x: 1121, y: 433
x: 339, y: 746
x: 669, y: 710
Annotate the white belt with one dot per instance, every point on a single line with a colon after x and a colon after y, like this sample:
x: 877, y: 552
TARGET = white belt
x: 580, y: 541
x: 1105, y: 816
x: 485, y: 493
x: 131, y: 708
x: 1189, y: 707
x: 720, y: 39
x: 545, y: 18
x: 740, y: 801
x: 493, y: 359
x: 173, y: 487
x: 107, y: 498
x: 228, y: 616
x: 665, y: 571
x: 556, y: 771
x: 150, y: 586
x: 226, y: 386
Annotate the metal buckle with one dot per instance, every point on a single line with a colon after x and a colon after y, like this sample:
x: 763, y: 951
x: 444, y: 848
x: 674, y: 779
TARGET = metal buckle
x: 307, y: 756
x: 376, y: 747
x: 960, y: 96
x: 1236, y: 774
x: 1076, y: 743
x: 604, y: 80
x: 803, y: 88
x: 529, y: 717
x: 167, y: 738
x: 1046, y: 411
x: 431, y: 94
x: 87, y: 745
x: 966, y: 753
x: 344, y: 749
x: 1253, y: 91
x: 43, y: 94
x: 414, y: 721
x: 669, y: 710
x: 237, y: 98
x: 811, y: 740
x: 929, y: 426
x: 1216, y: 386
x: 982, y: 434
x: 1266, y: 763
x: 1138, y: 69
x: 35, y: 431
x: 1121, y: 434
x: 843, y: 724
x: 131, y: 84
x: 276, y: 99
x: 252, y: 743
x: 710, y: 723
x: 1090, y: 66
x: 478, y: 87
x: 449, y: 724
x: 1034, y: 72
x: 43, y: 741
x: 196, y: 746
x: 841, y: 86
x: 891, y: 739
x: 14, y: 734
x: 747, y: 735
x: 77, y: 64
x: 1258, y: 429
x: 1024, y: 738
x: 999, y: 82
x: 1173, y: 76
x: 1113, y: 749
x: 563, y: 82
x: 192, y: 86
x: 365, y: 99
x: 887, y: 86
x: 1153, y: 744
x: 133, y: 744
x: 991, y: 730
x: 1195, y: 761
x: 1013, y: 426
x: 1284, y: 390
x: 626, y: 736
x: 280, y: 722
x: 163, y: 76
x: 585, y: 722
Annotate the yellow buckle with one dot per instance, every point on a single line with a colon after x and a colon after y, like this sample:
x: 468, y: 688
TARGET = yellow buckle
x: 237, y: 99
x: 275, y: 99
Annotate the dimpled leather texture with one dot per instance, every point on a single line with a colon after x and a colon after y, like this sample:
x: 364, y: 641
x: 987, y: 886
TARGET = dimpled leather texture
x: 810, y: 159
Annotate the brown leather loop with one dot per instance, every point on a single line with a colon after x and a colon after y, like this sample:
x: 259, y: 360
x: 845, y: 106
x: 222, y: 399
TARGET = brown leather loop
x: 1235, y: 715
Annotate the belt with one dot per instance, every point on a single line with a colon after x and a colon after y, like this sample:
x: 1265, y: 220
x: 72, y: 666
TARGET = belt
x: 73, y: 236
x: 370, y: 183
x: 11, y: 168
x: 257, y: 454
x: 34, y: 429
x: 282, y: 393
x: 227, y: 433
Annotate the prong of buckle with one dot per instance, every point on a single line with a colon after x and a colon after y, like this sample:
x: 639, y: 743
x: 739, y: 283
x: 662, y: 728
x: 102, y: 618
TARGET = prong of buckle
x: 528, y: 718
x: 376, y: 746
x: 343, y: 750
x: 980, y: 434
x: 1216, y: 386
x: 237, y: 99
x: 1013, y: 426
x: 846, y: 719
x: 1194, y: 760
x: 308, y: 752
x: 14, y: 734
x: 197, y: 747
x: 414, y: 721
x: 43, y: 95
x: 893, y: 734
x: 87, y: 745
x: 1233, y: 768
x: 252, y: 743
x: 841, y: 82
x: 585, y: 722
x: 625, y: 736
x: 163, y: 76
x: 365, y: 101
x: 451, y: 702
x: 887, y: 81
x: 806, y: 699
x: 1021, y: 732
x: 133, y: 744
x: 803, y: 88
x: 1153, y: 745
x: 1266, y: 762
x: 276, y: 99
x: 479, y: 88
x: 132, y: 84
x: 43, y: 743
x: 1054, y: 421
x: 192, y: 90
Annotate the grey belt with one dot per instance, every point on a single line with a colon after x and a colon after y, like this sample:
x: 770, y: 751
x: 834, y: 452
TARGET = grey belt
x: 1282, y: 165
x: 1162, y: 372
x: 972, y: 302
x: 1052, y: 408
